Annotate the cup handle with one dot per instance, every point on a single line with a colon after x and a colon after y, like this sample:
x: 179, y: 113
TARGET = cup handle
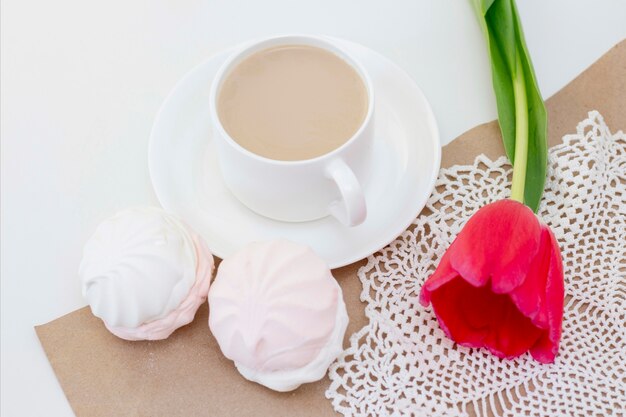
x: 350, y: 209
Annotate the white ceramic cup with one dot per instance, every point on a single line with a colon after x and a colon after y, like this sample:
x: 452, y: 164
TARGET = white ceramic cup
x: 302, y: 190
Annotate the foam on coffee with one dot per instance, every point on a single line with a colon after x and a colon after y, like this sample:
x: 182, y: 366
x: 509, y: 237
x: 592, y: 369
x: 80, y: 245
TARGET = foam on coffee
x: 292, y: 102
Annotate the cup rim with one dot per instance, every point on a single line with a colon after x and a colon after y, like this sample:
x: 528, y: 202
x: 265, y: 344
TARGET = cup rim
x: 290, y: 39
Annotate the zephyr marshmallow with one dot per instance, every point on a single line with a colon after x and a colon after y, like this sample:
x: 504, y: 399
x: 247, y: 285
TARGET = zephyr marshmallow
x: 145, y: 273
x: 278, y: 313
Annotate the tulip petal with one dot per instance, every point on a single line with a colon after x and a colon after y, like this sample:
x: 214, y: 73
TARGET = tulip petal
x: 530, y: 296
x: 478, y: 317
x: 547, y: 346
x: 442, y: 275
x: 498, y: 242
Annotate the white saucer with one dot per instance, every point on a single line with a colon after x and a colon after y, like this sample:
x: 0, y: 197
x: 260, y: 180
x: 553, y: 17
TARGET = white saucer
x: 187, y: 180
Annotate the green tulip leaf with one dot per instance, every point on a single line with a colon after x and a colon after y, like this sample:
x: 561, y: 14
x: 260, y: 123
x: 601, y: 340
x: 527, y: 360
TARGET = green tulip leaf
x: 521, y: 111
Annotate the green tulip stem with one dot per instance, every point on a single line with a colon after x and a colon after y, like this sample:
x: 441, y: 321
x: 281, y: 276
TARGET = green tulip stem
x: 521, y: 133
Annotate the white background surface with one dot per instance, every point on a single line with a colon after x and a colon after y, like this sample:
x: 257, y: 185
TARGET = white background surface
x: 82, y: 81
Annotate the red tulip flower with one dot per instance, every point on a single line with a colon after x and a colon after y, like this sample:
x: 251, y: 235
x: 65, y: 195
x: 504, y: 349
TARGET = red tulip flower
x: 500, y: 284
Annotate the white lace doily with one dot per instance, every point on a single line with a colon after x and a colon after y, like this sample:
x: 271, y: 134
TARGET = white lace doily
x: 401, y: 363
